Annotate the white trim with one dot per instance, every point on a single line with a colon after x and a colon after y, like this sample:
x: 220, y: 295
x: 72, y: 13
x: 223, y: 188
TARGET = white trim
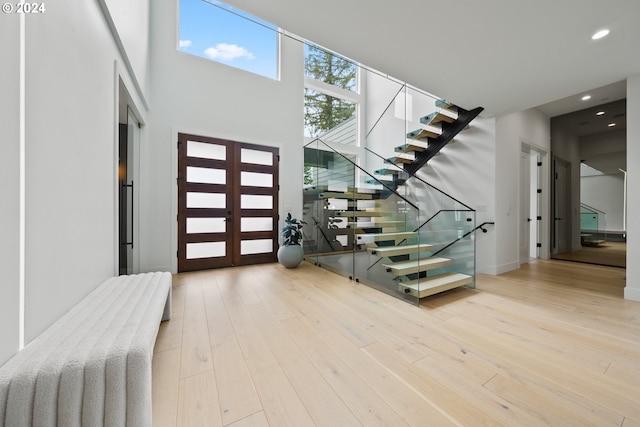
x: 499, y: 269
x: 22, y: 169
x: 335, y: 91
x: 114, y: 179
x: 123, y: 52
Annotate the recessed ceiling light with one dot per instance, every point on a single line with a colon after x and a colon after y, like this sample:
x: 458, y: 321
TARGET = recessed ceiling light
x: 611, y: 125
x: 600, y: 113
x: 586, y: 97
x: 600, y: 34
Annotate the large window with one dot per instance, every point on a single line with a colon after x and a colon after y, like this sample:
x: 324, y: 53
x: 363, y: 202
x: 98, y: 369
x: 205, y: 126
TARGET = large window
x: 215, y: 31
x: 330, y: 96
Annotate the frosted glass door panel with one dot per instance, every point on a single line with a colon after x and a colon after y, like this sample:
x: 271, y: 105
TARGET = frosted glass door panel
x: 261, y: 246
x: 204, y: 150
x: 206, y: 225
x: 206, y: 175
x: 256, y: 224
x: 256, y: 157
x: 205, y: 250
x: 255, y: 179
x: 206, y: 200
x: 251, y: 201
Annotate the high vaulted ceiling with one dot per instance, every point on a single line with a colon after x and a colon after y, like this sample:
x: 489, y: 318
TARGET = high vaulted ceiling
x: 504, y: 55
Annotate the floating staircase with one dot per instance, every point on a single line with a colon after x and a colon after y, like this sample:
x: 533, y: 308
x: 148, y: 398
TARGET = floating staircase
x: 372, y: 224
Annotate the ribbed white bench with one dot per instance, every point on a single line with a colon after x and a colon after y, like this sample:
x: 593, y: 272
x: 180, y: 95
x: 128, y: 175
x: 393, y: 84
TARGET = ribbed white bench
x: 92, y: 367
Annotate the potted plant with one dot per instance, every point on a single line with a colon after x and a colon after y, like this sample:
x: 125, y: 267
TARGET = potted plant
x: 291, y: 253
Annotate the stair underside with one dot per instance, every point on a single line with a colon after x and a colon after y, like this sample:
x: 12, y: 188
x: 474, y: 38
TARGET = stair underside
x: 432, y: 285
x: 403, y: 268
x: 379, y: 237
x: 400, y: 250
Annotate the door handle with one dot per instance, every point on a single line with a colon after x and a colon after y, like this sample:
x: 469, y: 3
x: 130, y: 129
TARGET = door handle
x: 528, y: 219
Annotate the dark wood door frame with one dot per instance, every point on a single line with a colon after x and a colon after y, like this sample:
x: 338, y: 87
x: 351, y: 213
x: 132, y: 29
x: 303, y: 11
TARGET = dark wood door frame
x: 234, y: 211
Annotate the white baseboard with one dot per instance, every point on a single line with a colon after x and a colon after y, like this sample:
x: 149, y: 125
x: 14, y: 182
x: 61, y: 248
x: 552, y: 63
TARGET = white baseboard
x: 632, y: 294
x: 499, y: 269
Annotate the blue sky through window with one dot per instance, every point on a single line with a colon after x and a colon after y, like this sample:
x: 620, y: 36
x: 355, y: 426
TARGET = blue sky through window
x: 210, y: 32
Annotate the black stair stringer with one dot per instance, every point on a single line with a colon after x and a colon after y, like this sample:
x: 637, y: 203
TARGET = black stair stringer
x: 449, y: 131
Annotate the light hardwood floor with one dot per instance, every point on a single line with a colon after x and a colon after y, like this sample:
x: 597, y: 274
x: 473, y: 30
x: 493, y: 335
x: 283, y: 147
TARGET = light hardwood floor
x: 551, y: 344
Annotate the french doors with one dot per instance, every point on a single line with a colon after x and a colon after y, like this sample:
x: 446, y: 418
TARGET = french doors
x: 227, y: 203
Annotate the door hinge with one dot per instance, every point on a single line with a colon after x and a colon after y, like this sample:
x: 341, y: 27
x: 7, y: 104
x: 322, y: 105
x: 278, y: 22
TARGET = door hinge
x: 178, y: 144
x: 539, y: 245
x: 177, y: 256
x: 539, y: 163
x: 539, y: 190
x: 539, y: 218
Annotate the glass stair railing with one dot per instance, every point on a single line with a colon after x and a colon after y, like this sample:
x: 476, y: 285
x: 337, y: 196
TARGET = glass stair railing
x: 593, y: 226
x: 377, y: 234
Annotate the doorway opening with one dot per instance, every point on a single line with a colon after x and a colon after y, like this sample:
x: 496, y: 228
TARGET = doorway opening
x: 128, y: 184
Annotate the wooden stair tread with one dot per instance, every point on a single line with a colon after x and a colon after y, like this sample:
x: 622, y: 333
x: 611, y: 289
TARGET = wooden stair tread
x: 350, y: 214
x: 399, y: 159
x: 432, y: 285
x: 387, y: 171
x: 437, y: 117
x: 415, y: 266
x: 412, y: 146
x: 423, y: 133
x: 376, y: 237
x: 346, y: 195
x: 373, y: 224
x: 388, y: 251
x: 446, y: 105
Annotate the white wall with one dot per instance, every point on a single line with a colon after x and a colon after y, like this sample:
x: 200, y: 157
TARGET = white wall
x: 530, y: 127
x: 194, y: 95
x: 632, y: 290
x: 131, y: 19
x: 9, y: 185
x: 71, y: 99
x: 605, y: 193
x: 465, y: 170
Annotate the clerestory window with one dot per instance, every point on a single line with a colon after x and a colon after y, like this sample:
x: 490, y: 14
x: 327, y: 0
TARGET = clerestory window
x: 218, y: 32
